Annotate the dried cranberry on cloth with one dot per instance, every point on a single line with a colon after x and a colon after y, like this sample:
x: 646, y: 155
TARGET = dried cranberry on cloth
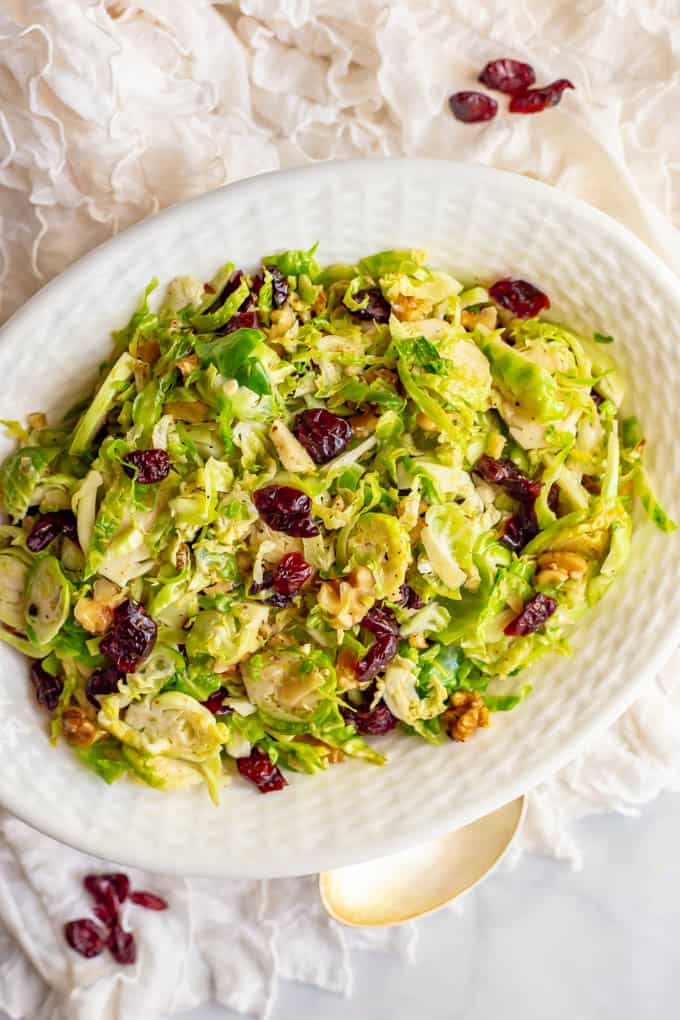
x: 214, y: 93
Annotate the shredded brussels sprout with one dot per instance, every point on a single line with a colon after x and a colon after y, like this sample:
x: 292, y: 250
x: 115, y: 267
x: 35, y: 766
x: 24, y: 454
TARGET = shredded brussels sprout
x: 304, y: 506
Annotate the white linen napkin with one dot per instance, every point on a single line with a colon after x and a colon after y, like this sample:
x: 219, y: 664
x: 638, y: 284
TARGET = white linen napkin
x: 111, y: 110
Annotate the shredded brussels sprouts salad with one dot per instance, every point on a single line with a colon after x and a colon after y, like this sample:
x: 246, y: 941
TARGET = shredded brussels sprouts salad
x: 305, y: 506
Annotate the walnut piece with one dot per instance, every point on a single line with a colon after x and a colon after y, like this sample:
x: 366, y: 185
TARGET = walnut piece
x: 347, y: 600
x: 281, y: 321
x: 320, y: 303
x: 425, y: 422
x: 77, y: 727
x: 410, y: 309
x: 385, y: 375
x: 94, y: 617
x: 187, y: 365
x: 334, y: 754
x: 364, y: 425
x: 484, y: 317
x: 149, y: 351
x: 564, y: 562
x: 37, y: 420
x: 345, y: 671
x: 466, y: 714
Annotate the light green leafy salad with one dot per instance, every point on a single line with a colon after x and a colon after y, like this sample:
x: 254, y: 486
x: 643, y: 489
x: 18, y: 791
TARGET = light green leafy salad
x: 304, y: 507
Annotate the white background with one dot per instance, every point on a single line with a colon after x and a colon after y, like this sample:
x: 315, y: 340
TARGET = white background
x: 541, y: 942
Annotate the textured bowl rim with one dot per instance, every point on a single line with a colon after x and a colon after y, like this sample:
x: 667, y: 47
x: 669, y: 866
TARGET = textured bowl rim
x: 562, y: 753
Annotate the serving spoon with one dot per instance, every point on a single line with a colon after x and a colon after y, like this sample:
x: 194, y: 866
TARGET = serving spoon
x: 392, y: 890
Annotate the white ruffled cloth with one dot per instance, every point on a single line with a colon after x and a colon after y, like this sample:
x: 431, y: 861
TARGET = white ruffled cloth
x: 111, y: 110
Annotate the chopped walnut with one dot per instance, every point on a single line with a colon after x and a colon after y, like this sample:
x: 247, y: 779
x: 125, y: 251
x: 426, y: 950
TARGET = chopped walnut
x: 385, y: 375
x: 94, y: 617
x: 320, y: 302
x: 424, y: 422
x: 334, y: 754
x: 345, y: 670
x: 364, y: 425
x: 466, y: 714
x: 570, y: 564
x: 37, y: 420
x: 77, y: 728
x: 187, y: 365
x: 149, y: 351
x: 550, y: 576
x: 410, y: 309
x: 347, y: 600
x: 487, y: 317
x: 282, y: 319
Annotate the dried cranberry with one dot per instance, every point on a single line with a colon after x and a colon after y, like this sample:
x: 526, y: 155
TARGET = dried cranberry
x: 256, y: 284
x: 508, y: 476
x: 536, y: 611
x: 115, y: 880
x: 121, y: 945
x: 554, y: 497
x: 591, y: 484
x: 148, y: 900
x: 597, y: 398
x: 147, y: 466
x: 519, y: 297
x: 286, y: 509
x: 290, y: 574
x: 48, y: 689
x: 215, y: 704
x: 248, y: 319
x: 131, y: 637
x: 279, y: 286
x: 278, y: 601
x: 535, y: 100
x: 102, y: 681
x: 408, y: 598
x: 85, y: 937
x: 507, y: 75
x: 234, y: 281
x: 108, y: 891
x: 47, y: 527
x: 377, y: 309
x: 107, y: 916
x: 472, y: 107
x: 380, y: 621
x: 519, y: 529
x: 378, y: 657
x: 266, y: 582
x: 324, y: 435
x: 106, y: 909
x: 372, y: 721
x: 258, y: 768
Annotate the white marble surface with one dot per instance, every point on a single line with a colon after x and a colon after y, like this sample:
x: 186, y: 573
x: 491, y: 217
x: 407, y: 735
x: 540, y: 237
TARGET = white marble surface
x: 539, y: 943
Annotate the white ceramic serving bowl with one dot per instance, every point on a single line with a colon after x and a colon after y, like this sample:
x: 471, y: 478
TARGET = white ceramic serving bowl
x: 481, y: 224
